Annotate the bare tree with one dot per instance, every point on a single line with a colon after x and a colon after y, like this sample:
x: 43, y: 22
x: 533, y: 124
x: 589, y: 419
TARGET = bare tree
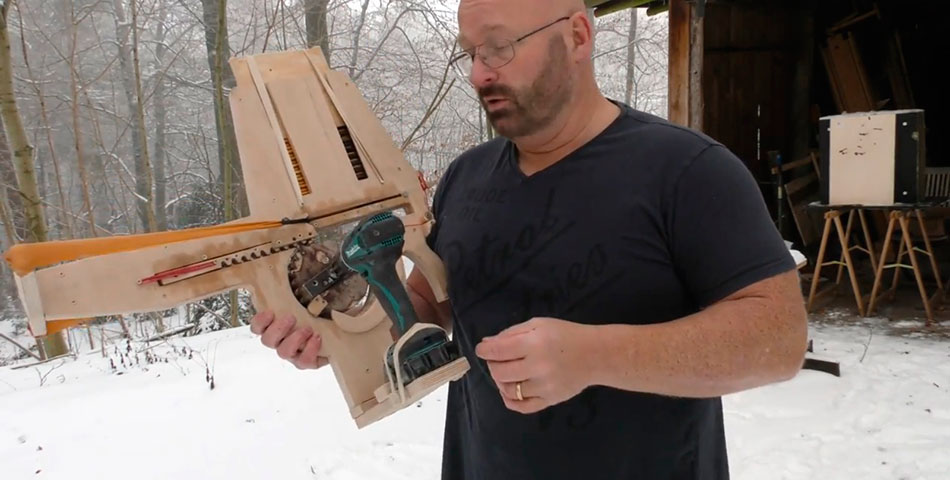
x: 127, y: 32
x: 161, y: 119
x: 18, y: 140
x: 64, y: 212
x: 111, y: 96
x: 631, y: 55
x: 219, y: 50
x: 317, y: 29
x: 631, y: 51
x: 52, y: 345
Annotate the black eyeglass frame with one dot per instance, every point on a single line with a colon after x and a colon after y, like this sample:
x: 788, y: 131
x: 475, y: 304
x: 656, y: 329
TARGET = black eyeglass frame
x: 454, y: 60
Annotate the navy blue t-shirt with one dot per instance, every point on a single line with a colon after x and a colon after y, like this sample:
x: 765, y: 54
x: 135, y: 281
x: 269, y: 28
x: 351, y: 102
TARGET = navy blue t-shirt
x: 646, y: 223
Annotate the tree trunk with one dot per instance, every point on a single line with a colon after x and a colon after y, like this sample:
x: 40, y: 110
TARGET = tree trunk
x: 215, y: 20
x: 8, y: 232
x: 7, y: 177
x: 7, y: 284
x: 631, y: 58
x: 356, y: 37
x: 317, y: 29
x: 144, y: 185
x: 161, y: 198
x: 219, y: 51
x: 65, y: 214
x: 19, y: 144
x: 77, y: 132
x: 128, y: 61
x: 53, y: 345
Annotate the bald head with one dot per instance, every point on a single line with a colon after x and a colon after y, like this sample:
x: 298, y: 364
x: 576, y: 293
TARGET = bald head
x: 512, y: 16
x: 531, y: 60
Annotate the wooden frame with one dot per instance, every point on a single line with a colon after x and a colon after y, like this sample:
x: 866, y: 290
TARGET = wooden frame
x: 846, y: 262
x: 799, y: 192
x: 314, y: 156
x: 900, y: 219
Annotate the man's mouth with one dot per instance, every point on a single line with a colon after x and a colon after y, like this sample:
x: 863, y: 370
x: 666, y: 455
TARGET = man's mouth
x: 495, y: 102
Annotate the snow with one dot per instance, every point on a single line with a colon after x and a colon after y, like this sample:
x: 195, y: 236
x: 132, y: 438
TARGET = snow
x: 263, y: 419
x: 886, y: 417
x: 799, y: 257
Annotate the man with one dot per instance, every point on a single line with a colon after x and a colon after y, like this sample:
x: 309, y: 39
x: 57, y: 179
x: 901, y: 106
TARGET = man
x: 611, y: 275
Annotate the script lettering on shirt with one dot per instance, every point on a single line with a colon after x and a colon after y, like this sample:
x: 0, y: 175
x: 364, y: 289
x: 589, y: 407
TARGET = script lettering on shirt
x: 494, y: 260
x: 477, y: 199
x: 569, y: 287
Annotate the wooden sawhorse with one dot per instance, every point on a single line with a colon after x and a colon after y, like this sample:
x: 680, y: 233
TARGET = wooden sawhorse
x: 901, y: 219
x: 833, y: 217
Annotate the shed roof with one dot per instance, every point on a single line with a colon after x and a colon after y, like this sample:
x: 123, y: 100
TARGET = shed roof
x: 607, y: 7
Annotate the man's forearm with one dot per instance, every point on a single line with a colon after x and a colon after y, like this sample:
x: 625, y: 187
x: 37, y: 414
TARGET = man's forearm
x: 729, y: 347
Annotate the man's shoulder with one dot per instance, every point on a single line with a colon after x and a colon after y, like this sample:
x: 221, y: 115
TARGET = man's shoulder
x: 483, y: 155
x: 646, y: 131
x: 656, y: 148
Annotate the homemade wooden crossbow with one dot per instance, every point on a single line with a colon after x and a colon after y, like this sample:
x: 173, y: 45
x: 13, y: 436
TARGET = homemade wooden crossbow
x: 314, y: 158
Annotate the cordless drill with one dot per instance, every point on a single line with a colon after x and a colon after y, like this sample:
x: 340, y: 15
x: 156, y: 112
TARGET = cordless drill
x: 371, y: 250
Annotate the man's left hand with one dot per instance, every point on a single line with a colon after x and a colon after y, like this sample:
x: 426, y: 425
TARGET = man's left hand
x: 550, y: 358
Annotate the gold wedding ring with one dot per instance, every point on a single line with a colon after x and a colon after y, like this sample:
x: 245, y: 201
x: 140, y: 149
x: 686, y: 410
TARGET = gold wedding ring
x: 518, y: 390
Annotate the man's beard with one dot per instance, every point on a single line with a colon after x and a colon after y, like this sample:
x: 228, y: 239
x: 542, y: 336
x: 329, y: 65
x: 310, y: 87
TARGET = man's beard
x: 536, y: 106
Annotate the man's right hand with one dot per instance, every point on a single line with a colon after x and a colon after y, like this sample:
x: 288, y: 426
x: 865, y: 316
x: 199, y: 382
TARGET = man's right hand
x: 298, y: 345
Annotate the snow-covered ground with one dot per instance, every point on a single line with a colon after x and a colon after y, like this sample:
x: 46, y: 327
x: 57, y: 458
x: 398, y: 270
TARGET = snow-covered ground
x: 887, y: 417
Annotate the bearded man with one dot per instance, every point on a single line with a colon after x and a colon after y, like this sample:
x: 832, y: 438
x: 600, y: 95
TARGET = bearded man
x: 611, y: 275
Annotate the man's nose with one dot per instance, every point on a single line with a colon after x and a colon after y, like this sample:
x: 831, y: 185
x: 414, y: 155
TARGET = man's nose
x: 481, y: 75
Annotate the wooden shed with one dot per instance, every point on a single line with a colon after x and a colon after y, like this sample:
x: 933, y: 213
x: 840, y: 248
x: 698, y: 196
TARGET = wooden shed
x: 757, y: 75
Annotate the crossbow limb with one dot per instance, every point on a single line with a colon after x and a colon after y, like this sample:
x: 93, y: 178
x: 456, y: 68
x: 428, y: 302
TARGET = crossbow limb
x: 314, y: 157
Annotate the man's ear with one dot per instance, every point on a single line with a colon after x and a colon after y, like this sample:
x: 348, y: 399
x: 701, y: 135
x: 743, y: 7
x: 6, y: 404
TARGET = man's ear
x: 582, y: 36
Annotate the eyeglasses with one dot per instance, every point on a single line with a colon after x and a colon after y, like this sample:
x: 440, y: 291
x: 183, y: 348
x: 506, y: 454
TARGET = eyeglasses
x: 495, y: 53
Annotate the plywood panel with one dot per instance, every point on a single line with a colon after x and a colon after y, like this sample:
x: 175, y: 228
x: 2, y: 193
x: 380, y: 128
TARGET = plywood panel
x: 270, y: 195
x: 861, y: 160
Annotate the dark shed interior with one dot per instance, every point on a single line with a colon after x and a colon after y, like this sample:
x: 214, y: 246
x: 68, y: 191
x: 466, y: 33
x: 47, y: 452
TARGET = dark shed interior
x: 771, y: 69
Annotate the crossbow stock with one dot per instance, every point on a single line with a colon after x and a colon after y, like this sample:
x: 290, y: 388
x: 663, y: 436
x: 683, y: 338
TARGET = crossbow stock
x: 314, y: 158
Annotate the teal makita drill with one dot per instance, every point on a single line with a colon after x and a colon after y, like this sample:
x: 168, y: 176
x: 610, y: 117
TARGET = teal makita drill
x: 371, y: 250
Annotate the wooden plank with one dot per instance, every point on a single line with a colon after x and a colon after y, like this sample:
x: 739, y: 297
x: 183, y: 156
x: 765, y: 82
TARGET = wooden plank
x: 800, y: 86
x: 319, y: 150
x: 712, y: 73
x: 679, y: 59
x: 800, y: 183
x: 278, y: 136
x: 792, y: 165
x: 847, y: 75
x: 696, y: 70
x: 832, y: 368
x: 271, y: 195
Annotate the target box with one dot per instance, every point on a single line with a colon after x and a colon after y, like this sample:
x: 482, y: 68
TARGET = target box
x: 873, y: 158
